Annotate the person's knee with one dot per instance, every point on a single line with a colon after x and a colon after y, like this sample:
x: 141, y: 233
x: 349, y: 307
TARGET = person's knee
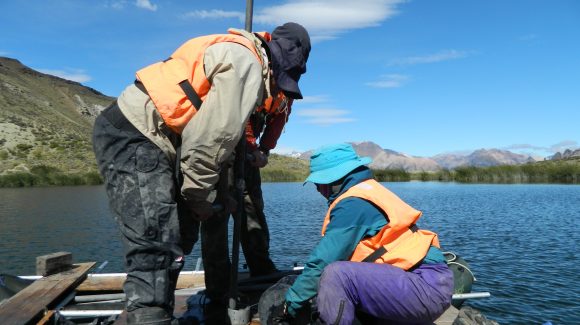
x: 333, y: 273
x: 149, y: 261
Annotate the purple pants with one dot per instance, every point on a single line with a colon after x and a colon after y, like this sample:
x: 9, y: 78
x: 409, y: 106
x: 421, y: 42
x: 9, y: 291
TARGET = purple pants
x: 384, y: 292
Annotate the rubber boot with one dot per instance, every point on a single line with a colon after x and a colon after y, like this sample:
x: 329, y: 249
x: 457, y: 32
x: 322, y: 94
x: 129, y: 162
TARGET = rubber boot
x: 149, y: 316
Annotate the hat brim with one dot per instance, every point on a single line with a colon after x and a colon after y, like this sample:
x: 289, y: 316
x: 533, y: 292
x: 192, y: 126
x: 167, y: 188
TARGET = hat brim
x: 288, y: 85
x: 327, y: 176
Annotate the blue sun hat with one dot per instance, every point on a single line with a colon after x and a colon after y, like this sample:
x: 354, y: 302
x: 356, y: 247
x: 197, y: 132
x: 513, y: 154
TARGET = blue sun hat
x: 331, y: 163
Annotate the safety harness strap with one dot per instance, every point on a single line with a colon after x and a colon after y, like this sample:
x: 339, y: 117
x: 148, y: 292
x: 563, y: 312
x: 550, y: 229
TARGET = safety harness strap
x: 191, y: 94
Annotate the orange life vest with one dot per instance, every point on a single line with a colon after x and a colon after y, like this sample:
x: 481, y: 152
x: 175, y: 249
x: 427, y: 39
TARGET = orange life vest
x: 405, y: 244
x: 276, y: 105
x: 162, y: 79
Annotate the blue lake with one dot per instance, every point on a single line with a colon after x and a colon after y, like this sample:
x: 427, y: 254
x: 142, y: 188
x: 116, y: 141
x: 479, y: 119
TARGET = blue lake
x: 520, y: 240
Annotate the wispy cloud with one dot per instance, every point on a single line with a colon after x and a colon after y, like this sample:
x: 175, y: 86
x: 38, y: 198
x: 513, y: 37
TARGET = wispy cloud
x: 214, y: 14
x: 389, y: 81
x: 121, y: 4
x: 3, y: 53
x: 70, y: 74
x: 116, y: 4
x: 146, y: 4
x: 528, y: 37
x: 325, y: 116
x: 314, y: 99
x: 563, y: 145
x: 524, y: 146
x: 324, y: 19
x: 444, y: 55
x: 542, y: 151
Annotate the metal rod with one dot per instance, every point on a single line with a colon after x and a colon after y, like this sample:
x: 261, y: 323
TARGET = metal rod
x: 239, y: 219
x: 249, y: 14
x: 460, y: 296
x: 88, y: 313
x: 103, y: 297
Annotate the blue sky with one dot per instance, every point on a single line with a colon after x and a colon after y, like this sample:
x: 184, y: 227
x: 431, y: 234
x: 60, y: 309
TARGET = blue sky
x: 421, y: 77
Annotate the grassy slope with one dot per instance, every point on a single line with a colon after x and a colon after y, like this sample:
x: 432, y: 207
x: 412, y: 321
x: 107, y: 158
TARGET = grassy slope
x: 45, y: 123
x: 284, y: 169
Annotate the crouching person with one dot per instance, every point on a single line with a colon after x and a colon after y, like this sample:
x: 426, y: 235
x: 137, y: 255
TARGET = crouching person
x: 373, y: 262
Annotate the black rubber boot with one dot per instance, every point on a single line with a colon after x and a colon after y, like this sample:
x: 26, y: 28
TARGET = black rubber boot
x: 149, y: 316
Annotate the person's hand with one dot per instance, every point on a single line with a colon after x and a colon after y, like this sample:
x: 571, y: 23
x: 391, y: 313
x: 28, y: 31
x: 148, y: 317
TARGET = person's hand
x: 284, y: 318
x: 260, y: 159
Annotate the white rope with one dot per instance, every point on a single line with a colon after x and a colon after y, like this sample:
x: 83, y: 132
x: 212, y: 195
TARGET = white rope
x: 452, y: 261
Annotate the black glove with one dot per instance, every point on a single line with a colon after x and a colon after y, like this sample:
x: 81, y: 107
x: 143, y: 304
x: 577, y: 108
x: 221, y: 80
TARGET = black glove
x: 284, y: 318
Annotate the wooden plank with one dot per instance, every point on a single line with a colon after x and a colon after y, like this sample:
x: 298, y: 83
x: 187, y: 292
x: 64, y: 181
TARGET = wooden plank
x: 105, y: 282
x: 53, y: 263
x: 43, y: 294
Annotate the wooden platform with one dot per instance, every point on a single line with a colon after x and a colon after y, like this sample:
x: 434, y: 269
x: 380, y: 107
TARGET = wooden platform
x: 30, y: 304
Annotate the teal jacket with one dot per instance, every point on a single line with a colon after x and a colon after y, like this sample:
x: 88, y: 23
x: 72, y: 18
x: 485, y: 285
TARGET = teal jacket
x: 351, y: 220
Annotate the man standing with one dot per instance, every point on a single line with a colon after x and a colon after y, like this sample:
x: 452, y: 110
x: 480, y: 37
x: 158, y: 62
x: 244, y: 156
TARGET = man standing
x: 161, y: 145
x: 262, y: 131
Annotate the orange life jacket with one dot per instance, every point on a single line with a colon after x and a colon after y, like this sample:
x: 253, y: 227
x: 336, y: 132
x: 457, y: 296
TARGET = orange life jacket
x: 162, y: 79
x: 276, y: 105
x: 405, y: 244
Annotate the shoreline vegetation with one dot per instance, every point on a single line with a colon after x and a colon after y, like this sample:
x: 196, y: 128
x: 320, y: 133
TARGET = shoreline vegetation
x: 285, y: 169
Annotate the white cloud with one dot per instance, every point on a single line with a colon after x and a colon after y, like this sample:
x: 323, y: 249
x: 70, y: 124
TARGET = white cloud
x: 325, y: 116
x: 444, y: 55
x: 313, y: 99
x: 324, y: 19
x: 71, y: 74
x: 528, y: 37
x: 215, y: 14
x: 558, y: 147
x: 523, y: 146
x: 121, y: 4
x: 563, y: 145
x: 539, y: 152
x: 116, y: 4
x: 390, y: 81
x: 146, y: 4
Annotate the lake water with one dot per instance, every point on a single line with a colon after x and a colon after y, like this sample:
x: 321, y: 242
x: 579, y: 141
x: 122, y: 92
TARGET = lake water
x: 520, y: 240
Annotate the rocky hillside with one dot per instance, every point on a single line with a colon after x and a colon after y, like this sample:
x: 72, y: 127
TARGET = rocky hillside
x: 482, y: 158
x: 389, y: 159
x: 568, y: 153
x: 45, y: 120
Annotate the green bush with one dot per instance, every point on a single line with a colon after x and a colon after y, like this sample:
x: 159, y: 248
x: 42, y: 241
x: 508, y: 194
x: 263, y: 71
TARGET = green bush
x: 391, y: 175
x: 43, y: 175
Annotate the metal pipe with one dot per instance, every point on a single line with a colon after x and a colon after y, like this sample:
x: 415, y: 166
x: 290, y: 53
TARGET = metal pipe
x: 103, y: 297
x: 249, y: 14
x: 461, y: 296
x: 88, y: 313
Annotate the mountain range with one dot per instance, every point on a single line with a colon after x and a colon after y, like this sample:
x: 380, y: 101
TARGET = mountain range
x: 47, y: 120
x: 390, y: 159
